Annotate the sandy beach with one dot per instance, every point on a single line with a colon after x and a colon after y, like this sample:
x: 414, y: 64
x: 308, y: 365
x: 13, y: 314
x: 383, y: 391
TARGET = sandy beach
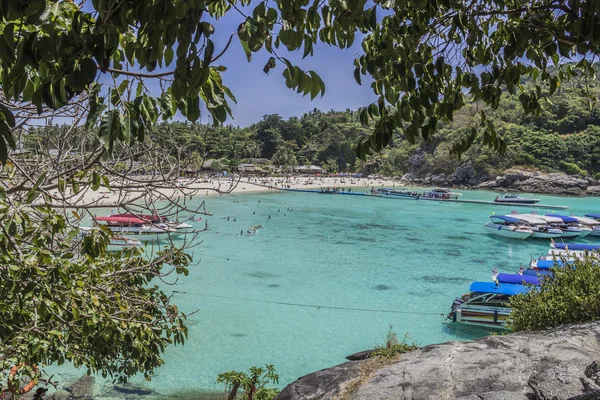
x: 223, y: 186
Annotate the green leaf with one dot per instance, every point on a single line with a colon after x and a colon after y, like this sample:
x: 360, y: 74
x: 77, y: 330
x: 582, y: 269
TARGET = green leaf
x: 168, y: 56
x: 246, y: 50
x: 193, y: 109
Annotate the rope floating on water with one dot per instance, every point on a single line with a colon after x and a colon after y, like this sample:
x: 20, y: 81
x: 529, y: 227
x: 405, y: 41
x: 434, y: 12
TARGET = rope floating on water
x: 283, y: 303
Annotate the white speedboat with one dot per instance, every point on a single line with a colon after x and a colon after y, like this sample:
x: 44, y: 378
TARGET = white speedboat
x: 119, y: 243
x: 540, y: 228
x: 486, y: 304
x: 592, y: 221
x: 568, y: 232
x: 397, y: 193
x: 440, y: 194
x: 572, y: 224
x: 137, y: 228
x: 513, y: 198
x: 508, y: 227
x: 160, y: 221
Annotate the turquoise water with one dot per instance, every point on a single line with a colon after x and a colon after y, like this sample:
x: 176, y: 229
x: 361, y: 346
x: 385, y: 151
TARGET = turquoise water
x: 400, y: 262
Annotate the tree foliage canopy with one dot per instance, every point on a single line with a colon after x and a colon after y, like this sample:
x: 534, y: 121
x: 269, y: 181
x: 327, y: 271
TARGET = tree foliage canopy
x: 62, y: 302
x: 425, y: 57
x: 569, y: 295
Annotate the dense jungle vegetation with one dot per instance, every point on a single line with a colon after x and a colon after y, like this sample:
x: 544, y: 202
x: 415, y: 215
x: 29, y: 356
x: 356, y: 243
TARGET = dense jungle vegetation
x: 564, y: 137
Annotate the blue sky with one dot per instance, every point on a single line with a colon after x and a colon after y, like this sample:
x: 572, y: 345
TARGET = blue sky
x: 258, y: 94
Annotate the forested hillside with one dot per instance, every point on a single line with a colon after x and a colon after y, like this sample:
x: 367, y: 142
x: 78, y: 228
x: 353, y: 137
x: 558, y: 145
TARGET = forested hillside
x: 565, y: 137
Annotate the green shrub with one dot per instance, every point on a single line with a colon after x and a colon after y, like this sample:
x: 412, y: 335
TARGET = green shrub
x: 572, y: 169
x: 392, y: 347
x: 571, y: 295
x: 253, y: 385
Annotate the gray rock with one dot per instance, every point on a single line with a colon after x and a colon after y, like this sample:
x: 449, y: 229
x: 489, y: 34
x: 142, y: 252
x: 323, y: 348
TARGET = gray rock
x: 552, y: 184
x: 324, y: 384
x: 556, y: 383
x: 361, y: 355
x: 408, y: 177
x: 509, y: 367
x: 438, y: 179
x: 593, y: 190
x: 82, y: 388
x: 463, y: 173
x: 417, y: 160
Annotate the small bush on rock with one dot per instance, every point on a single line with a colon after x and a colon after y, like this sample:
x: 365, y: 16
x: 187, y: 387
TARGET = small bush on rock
x: 393, y: 347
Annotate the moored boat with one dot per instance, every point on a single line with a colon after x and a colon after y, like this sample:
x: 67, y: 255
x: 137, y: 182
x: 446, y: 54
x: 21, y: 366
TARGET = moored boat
x: 508, y: 227
x: 159, y: 221
x: 576, y: 246
x: 568, y: 232
x: 486, y: 304
x: 540, y: 228
x: 118, y: 243
x: 440, y: 194
x: 595, y: 227
x: 572, y: 224
x: 513, y: 198
x: 137, y: 228
x: 397, y: 193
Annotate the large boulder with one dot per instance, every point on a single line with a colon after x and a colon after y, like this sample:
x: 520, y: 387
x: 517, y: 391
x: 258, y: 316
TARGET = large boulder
x: 537, y: 182
x: 553, y: 364
x: 553, y: 184
x: 417, y: 160
x: 463, y: 173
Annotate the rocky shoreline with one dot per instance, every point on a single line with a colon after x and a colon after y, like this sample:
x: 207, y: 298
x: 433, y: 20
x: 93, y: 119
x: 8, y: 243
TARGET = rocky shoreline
x: 464, y: 177
x: 560, y: 364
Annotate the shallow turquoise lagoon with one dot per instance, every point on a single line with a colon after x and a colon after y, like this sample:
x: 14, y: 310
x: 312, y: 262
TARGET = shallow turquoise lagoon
x: 368, y: 262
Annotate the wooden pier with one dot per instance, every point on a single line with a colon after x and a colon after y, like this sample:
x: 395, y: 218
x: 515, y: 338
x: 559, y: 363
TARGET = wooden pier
x: 482, y: 202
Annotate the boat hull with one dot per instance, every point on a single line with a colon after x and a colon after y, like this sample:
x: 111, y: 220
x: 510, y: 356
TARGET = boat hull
x: 399, y: 196
x: 145, y: 235
x: 546, y: 235
x: 489, y: 317
x: 119, y: 247
x: 504, y: 231
x: 571, y: 234
x: 517, y: 201
x: 585, y: 232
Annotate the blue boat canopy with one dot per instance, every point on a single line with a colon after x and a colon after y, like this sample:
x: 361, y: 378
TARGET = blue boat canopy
x: 518, y: 279
x: 576, y: 246
x: 505, y: 218
x: 565, y: 218
x: 502, y: 288
x: 593, y: 215
x: 549, y: 264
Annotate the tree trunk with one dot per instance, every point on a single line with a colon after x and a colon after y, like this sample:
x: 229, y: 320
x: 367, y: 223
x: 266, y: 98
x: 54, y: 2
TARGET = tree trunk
x: 233, y: 392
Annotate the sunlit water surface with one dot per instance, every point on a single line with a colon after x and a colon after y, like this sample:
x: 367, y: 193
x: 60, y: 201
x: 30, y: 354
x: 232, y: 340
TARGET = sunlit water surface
x: 327, y: 279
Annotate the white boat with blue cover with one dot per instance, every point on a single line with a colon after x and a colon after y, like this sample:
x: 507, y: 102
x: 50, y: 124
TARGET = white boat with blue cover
x: 508, y: 227
x: 572, y: 224
x: 568, y: 232
x: 486, y: 304
x: 517, y: 279
x: 576, y: 246
x: 592, y: 221
x: 540, y: 228
x: 548, y: 264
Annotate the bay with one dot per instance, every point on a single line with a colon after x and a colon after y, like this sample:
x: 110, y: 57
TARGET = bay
x: 326, y: 276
